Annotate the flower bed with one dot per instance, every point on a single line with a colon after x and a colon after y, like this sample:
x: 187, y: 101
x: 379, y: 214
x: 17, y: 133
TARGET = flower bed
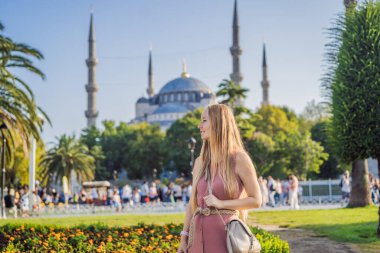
x: 102, y: 238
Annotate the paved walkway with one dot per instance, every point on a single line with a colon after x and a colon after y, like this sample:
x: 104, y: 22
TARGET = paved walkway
x: 305, y: 241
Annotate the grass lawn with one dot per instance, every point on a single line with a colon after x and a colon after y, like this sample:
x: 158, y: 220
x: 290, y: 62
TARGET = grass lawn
x: 349, y: 225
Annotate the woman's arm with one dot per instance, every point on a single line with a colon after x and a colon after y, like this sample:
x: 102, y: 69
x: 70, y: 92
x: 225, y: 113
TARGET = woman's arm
x: 189, y: 210
x: 247, y: 173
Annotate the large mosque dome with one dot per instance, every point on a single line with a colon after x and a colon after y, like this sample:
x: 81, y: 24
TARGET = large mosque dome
x: 175, y: 99
x: 184, y: 90
x: 185, y: 84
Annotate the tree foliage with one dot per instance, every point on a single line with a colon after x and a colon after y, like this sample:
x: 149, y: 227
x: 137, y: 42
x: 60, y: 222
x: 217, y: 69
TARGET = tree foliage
x: 176, y: 146
x: 231, y: 93
x: 19, y: 111
x: 279, y: 147
x: 68, y: 156
x: 352, y: 86
x: 332, y: 167
x: 137, y: 149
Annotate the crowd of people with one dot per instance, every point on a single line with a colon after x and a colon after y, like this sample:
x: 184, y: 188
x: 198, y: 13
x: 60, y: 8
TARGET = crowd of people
x: 119, y: 197
x: 275, y: 192
x: 374, y: 184
x: 280, y: 192
x: 150, y: 193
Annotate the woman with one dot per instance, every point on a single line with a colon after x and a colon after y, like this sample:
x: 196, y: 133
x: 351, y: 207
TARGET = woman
x: 233, y: 179
x: 153, y: 195
x: 345, y: 187
x: 293, y: 192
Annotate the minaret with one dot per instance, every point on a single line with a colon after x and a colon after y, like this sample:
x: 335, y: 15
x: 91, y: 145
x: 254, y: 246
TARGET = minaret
x: 91, y: 86
x: 236, y: 51
x: 150, y: 89
x: 265, y: 81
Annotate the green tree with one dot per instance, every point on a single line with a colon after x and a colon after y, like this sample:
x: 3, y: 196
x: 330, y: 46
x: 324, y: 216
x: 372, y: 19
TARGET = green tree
x: 280, y: 147
x: 352, y: 86
x: 66, y: 157
x: 145, y: 150
x: 176, y: 141
x: 17, y: 172
x: 272, y: 120
x: 91, y: 137
x: 261, y: 147
x: 231, y: 92
x: 18, y: 111
x: 137, y: 149
x: 332, y: 168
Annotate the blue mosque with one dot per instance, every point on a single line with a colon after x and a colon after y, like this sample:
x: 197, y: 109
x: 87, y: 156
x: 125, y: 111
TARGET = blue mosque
x: 177, y: 97
x: 186, y: 93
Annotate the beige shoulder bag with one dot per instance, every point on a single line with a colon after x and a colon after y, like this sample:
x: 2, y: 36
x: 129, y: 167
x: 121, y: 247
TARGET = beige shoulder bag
x: 239, y: 237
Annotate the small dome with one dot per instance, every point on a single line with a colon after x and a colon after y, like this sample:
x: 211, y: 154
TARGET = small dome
x: 142, y: 100
x: 185, y: 84
x: 172, y: 108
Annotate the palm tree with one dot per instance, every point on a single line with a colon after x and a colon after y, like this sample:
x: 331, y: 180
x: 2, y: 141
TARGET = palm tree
x: 66, y: 157
x: 18, y: 109
x: 231, y: 92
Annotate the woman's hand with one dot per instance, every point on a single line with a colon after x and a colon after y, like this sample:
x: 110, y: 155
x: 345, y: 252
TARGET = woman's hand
x: 183, y: 245
x: 211, y: 200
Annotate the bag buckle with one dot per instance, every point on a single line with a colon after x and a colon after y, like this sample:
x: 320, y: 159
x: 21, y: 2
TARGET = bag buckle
x: 206, y: 211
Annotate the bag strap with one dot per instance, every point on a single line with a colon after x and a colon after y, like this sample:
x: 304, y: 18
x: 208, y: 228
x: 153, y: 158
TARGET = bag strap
x: 208, y: 179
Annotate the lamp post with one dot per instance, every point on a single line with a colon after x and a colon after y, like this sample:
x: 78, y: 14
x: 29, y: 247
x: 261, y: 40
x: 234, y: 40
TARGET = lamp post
x: 114, y: 177
x: 191, y: 145
x: 3, y: 126
x: 154, y: 173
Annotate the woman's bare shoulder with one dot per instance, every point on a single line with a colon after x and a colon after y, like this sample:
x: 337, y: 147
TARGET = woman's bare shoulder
x: 242, y: 157
x: 243, y: 162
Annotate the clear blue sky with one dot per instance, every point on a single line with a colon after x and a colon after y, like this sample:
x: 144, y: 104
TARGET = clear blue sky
x: 198, y: 30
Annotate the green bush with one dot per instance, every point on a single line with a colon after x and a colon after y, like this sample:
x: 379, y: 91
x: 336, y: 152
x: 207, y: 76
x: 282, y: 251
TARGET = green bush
x: 270, y: 243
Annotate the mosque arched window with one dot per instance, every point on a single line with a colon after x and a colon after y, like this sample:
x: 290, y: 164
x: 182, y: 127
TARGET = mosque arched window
x: 179, y: 97
x: 172, y: 97
x: 186, y: 97
x: 192, y: 97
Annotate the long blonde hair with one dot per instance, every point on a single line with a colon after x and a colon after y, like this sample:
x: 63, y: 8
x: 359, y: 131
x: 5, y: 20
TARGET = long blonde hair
x: 218, y: 151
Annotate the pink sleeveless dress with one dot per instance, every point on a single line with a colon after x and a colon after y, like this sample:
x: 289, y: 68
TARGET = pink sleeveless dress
x: 209, y: 234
